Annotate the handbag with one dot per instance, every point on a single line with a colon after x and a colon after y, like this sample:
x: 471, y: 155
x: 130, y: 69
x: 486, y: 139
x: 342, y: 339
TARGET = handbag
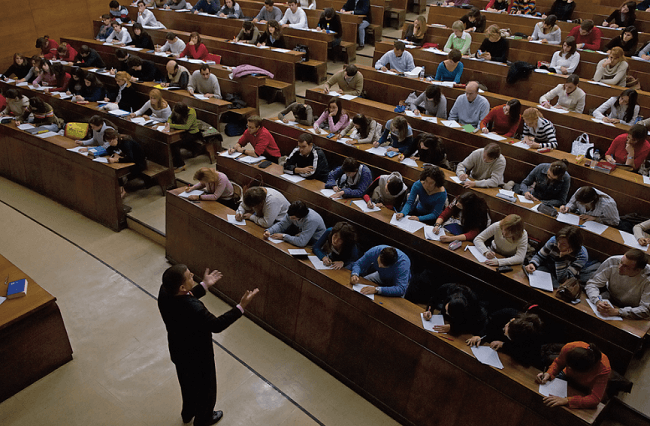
x: 76, y: 130
x: 581, y: 145
x: 569, y: 290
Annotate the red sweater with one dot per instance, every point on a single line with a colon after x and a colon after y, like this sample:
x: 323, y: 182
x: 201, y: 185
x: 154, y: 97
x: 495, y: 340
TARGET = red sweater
x: 49, y: 51
x: 191, y: 50
x: 591, y: 40
x: 595, y: 379
x: 500, y: 122
x: 262, y: 142
x: 618, y: 151
x: 69, y: 57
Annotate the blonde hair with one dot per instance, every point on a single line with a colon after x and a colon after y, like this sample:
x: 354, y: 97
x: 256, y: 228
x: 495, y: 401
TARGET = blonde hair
x: 207, y: 174
x: 123, y: 75
x: 423, y: 26
x: 458, y: 26
x: 157, y: 100
x: 514, y: 224
x: 531, y: 114
x: 617, y: 53
x: 493, y: 30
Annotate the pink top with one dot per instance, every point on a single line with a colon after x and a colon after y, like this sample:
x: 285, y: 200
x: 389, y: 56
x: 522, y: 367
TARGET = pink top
x: 333, y: 127
x: 223, y: 189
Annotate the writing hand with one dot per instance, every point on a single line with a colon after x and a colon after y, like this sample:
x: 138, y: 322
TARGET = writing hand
x: 490, y: 255
x: 644, y: 241
x: 485, y: 130
x: 398, y: 216
x: 542, y: 378
x: 354, y: 279
x: 530, y: 268
x: 427, y: 314
x: 463, y: 177
x: 564, y: 209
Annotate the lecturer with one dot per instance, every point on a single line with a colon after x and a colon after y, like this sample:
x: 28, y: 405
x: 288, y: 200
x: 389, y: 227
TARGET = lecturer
x: 189, y: 330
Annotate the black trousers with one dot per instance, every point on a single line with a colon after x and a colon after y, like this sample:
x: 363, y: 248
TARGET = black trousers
x: 198, y: 382
x: 188, y: 141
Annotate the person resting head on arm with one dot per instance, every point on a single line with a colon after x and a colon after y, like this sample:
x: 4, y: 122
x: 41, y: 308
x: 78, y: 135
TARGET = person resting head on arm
x: 461, y: 308
x: 548, y: 183
x: 630, y: 149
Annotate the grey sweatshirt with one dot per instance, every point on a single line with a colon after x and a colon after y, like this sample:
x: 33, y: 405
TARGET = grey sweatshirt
x: 311, y: 227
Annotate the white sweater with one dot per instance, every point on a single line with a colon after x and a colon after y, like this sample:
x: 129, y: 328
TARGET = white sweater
x: 570, y: 63
x: 516, y: 250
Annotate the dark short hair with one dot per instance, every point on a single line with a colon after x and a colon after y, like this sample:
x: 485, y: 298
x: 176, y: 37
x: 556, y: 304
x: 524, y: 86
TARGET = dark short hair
x: 85, y: 50
x: 388, y: 256
x: 121, y: 54
x: 96, y: 120
x: 170, y: 36
x: 637, y: 256
x: 329, y: 13
x: 573, y: 236
x: 173, y: 278
x: 255, y: 119
x: 134, y: 61
x: 351, y: 70
x: 248, y: 25
x: 638, y: 132
x: 292, y: 1
x: 350, y: 165
x: 583, y: 359
x: 106, y: 16
x: 298, y: 209
x: 12, y: 94
x: 455, y: 55
x: 435, y: 173
x: 40, y: 42
x: 138, y: 26
x: 399, y: 45
x: 573, y: 79
x: 433, y: 92
x: 525, y: 327
x: 204, y: 67
x: 114, y: 4
x: 111, y: 134
x: 269, y: 2
x: 394, y: 185
x: 587, y: 25
x: 586, y: 195
x: 306, y: 137
x: 492, y: 150
x: 254, y: 196
x: 346, y: 232
x: 550, y: 20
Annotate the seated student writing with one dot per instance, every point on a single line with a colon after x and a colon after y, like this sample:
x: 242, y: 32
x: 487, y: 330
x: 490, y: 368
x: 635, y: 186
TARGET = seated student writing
x: 569, y: 96
x: 333, y: 119
x: 106, y: 28
x: 16, y: 103
x: 120, y: 35
x: 622, y: 17
x: 65, y: 52
x: 451, y: 69
x: 142, y: 69
x: 349, y: 180
x: 141, y: 38
x: 216, y: 185
x: 547, y: 31
x: 414, y: 33
x: 260, y: 138
x: 548, y: 183
x: 248, y: 33
x: 485, y: 165
x: 231, y: 9
x: 40, y: 114
x: 469, y: 211
x: 431, y: 150
x: 307, y: 160
x: 564, y: 257
x: 503, y: 119
x: 204, y: 82
x: 630, y: 149
x: 401, y: 137
x: 459, y: 39
x: 388, y: 191
x: 18, y: 69
x: 397, y: 60
x: 474, y: 21
x: 386, y: 266
x: 330, y: 22
x: 538, y: 131
x: 509, y: 238
x: 461, y: 308
x: 125, y: 97
x: 584, y: 366
x: 183, y: 118
x: 48, y: 47
x: 301, y: 226
x: 337, y: 247
x: 125, y: 149
x: 177, y: 75
x: 88, y: 57
x: 518, y: 334
x: 301, y: 112
x: 431, y: 102
x: 98, y: 126
x: 361, y: 129
x: 176, y: 4
x: 499, y: 6
x: 262, y: 206
x: 349, y: 80
x: 268, y: 12
x: 593, y: 204
x: 623, y: 109
x: 92, y: 90
x: 53, y: 75
x: 427, y: 198
x: 272, y: 37
x: 160, y: 110
x: 173, y: 44
x: 210, y: 7
x: 470, y: 107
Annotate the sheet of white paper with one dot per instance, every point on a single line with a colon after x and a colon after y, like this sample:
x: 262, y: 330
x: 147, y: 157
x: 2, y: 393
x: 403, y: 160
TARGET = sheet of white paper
x: 488, y: 356
x: 450, y: 123
x: 555, y: 387
x: 521, y: 145
x: 541, y: 280
x: 406, y: 224
x: 344, y: 140
x: 646, y: 180
x: 348, y: 97
x: 535, y: 208
x: 118, y: 112
x: 477, y: 254
x: 46, y: 134
x: 160, y: 128
x: 25, y: 126
x: 22, y: 83
x: 430, y: 235
x: 570, y: 218
x: 493, y: 136
x: 410, y: 113
x: 506, y: 192
x: 187, y: 194
x: 251, y: 160
x: 201, y: 97
x: 2, y: 299
x: 275, y: 240
x: 77, y: 150
x: 234, y: 221
x: 380, y: 150
x: 456, y: 179
x: 333, y: 93
x: 328, y: 193
x: 101, y: 160
x: 318, y: 264
x: 281, y: 50
x: 595, y: 227
x: 140, y: 120
x: 523, y: 199
x: 227, y: 155
x: 597, y: 120
x: 358, y: 287
x: 298, y: 252
x: 409, y: 162
x: 363, y: 206
x: 553, y: 109
x: 292, y: 178
x: 435, y: 320
x: 601, y: 316
x: 630, y: 241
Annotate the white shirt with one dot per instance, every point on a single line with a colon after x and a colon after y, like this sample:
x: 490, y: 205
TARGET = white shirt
x: 296, y: 20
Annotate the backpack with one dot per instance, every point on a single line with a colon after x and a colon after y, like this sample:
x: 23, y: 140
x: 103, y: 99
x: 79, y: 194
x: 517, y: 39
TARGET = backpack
x: 519, y: 70
x: 302, y: 48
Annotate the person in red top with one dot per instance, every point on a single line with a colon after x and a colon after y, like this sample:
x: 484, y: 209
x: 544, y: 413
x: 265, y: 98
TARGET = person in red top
x: 65, y: 52
x: 468, y: 213
x: 261, y: 139
x: 583, y: 366
x: 631, y: 148
x: 195, y: 49
x: 503, y: 119
x: 3, y: 102
x: 48, y: 47
x: 587, y: 35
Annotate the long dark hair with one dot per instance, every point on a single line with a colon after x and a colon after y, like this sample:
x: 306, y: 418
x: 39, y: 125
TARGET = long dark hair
x: 571, y: 42
x: 180, y: 113
x: 364, y: 124
x: 37, y: 105
x: 632, y: 96
x: 337, y: 101
x: 635, y: 37
x: 58, y: 71
x: 515, y: 110
x: 583, y: 359
x: 278, y: 29
x: 435, y: 152
x: 347, y: 233
x: 474, y: 213
x: 94, y: 82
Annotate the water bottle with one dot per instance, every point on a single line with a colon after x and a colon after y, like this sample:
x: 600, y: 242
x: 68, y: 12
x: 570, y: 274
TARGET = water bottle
x: 422, y: 74
x: 596, y: 155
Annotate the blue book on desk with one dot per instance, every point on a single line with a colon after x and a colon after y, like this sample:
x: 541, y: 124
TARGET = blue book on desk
x: 17, y: 289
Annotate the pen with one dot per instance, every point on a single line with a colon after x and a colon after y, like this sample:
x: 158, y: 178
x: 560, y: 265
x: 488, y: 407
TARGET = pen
x: 445, y: 337
x: 7, y: 280
x: 350, y: 203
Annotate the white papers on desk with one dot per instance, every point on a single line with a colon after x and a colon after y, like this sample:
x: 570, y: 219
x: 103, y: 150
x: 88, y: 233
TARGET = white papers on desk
x: 406, y: 224
x: 380, y: 150
x: 595, y: 227
x: 133, y: 47
x: 181, y: 10
x: 277, y: 49
x: 493, y: 136
x: 523, y: 199
x: 187, y: 194
x: 9, y: 80
x: 101, y: 160
x: 141, y: 121
x: 363, y: 206
x: 25, y: 126
x: 2, y: 299
x: 535, y: 208
x: 317, y: 263
x: 540, y: 279
x: 22, y: 83
x: 119, y: 112
x: 328, y: 193
x: 227, y: 155
x: 233, y: 220
x: 506, y: 192
x: 108, y: 43
x: 161, y: 129
x: 348, y: 97
x: 161, y: 53
x: 553, y: 109
x: 46, y: 134
x: 450, y: 123
x: 251, y: 160
x: 78, y: 149
x: 345, y: 140
x: 598, y: 120
x: 292, y: 178
x: 555, y: 387
x: 409, y: 162
x: 298, y: 252
x: 387, y: 72
x: 646, y: 180
x: 275, y: 240
x: 477, y: 254
x: 333, y: 93
x: 601, y: 316
x: 435, y: 320
x: 630, y: 241
x: 64, y: 96
x: 599, y: 83
x: 410, y: 113
x: 290, y: 123
x: 570, y: 218
x: 488, y: 356
x: 201, y: 97
x: 456, y: 179
x: 521, y: 144
x: 358, y: 287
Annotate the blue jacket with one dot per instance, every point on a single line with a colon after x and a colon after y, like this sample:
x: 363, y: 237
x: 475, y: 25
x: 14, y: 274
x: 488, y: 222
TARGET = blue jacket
x: 395, y: 277
x: 348, y: 255
x: 203, y: 6
x: 428, y: 207
x: 336, y: 178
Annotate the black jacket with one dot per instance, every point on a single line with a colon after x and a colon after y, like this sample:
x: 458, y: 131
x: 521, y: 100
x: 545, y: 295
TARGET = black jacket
x: 143, y: 41
x: 93, y: 60
x: 334, y: 25
x: 526, y: 351
x: 149, y: 72
x: 266, y: 38
x: 129, y: 101
x: 130, y: 152
x: 562, y: 9
x: 475, y: 318
x: 316, y: 158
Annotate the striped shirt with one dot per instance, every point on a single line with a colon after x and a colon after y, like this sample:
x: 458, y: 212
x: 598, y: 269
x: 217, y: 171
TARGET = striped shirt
x: 568, y: 266
x: 604, y: 210
x: 544, y: 134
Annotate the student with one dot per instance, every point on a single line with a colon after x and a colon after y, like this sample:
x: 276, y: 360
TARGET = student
x: 415, y: 32
x: 118, y: 12
x: 210, y: 7
x: 431, y: 101
x: 366, y: 130
x: 261, y: 140
x: 173, y: 44
x: 231, y: 9
x: 630, y: 149
x: 262, y: 206
x: 272, y: 37
x: 98, y: 126
x: 359, y: 7
x: 474, y: 21
x: 587, y: 36
x: 583, y: 365
x: 337, y: 247
x: 386, y: 266
x: 548, y: 183
x: 461, y: 309
x: 307, y: 4
x: 401, y: 137
x: 125, y: 149
x: 88, y: 57
x: 307, y: 160
x: 56, y: 77
x: 65, y: 52
x: 397, y: 59
x: 562, y: 9
x: 494, y: 47
x: 547, y: 31
x: 470, y: 107
x: 177, y: 75
x: 195, y: 49
x: 612, y: 70
x: 301, y: 112
x: 268, y: 12
x: 349, y: 180
x: 146, y: 18
x: 569, y: 96
x: 43, y: 116
x: 176, y: 4
x: 334, y: 118
x: 565, y: 61
x: 459, y: 39
x: 469, y: 211
x: 204, y: 82
x: 330, y: 21
x: 628, y: 40
x: 623, y: 108
x: 248, y: 33
x: 503, y: 119
x: 92, y: 90
x: 141, y: 38
x: 518, y: 334
x: 499, y: 6
x: 349, y: 80
x: 123, y: 61
x: 538, y: 131
x: 509, y: 239
x: 216, y: 186
x: 16, y: 103
x: 125, y: 98
x: 18, y: 69
x: 48, y: 47
x: 623, y: 17
x: 183, y: 118
x: 523, y: 7
x: 301, y: 226
x: 641, y: 233
x: 451, y: 69
x: 427, y: 198
x: 120, y: 35
x: 105, y: 29
x: 564, y: 257
x: 593, y: 204
x: 76, y: 82
x: 484, y: 165
x: 142, y: 69
x: 431, y: 150
x: 160, y: 110
x: 388, y: 191
x: 294, y: 17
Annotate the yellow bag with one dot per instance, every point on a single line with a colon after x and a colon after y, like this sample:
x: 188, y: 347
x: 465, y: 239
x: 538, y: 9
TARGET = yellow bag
x: 76, y: 130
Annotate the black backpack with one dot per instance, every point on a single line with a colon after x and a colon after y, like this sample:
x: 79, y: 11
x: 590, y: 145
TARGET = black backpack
x: 302, y: 48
